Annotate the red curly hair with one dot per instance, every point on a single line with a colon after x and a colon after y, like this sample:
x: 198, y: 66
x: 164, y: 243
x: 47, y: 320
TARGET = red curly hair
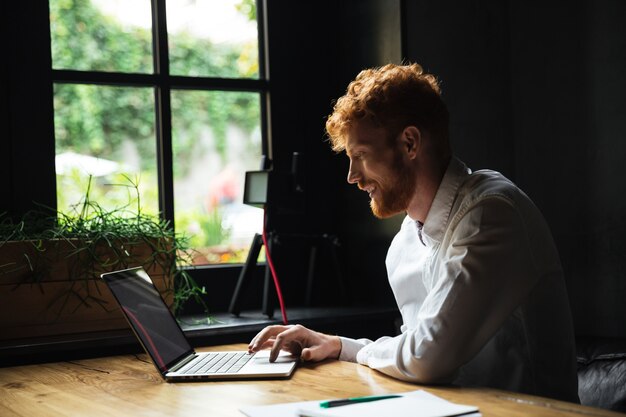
x: 392, y: 97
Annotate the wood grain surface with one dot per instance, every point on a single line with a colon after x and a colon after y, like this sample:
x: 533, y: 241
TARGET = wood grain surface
x: 129, y: 385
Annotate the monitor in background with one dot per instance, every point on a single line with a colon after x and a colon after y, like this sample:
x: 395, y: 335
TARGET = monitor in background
x: 255, y: 188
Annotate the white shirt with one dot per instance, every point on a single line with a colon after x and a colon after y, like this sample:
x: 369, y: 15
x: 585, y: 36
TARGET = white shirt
x: 481, y: 293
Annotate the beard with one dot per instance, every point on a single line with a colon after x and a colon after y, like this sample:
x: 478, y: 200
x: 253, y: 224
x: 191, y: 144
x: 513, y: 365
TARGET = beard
x: 394, y: 196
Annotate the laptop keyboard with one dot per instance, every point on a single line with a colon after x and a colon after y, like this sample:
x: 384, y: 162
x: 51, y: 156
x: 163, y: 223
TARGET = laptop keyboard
x: 219, y: 363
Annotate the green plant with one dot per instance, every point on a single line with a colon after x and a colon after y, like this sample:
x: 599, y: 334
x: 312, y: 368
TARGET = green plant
x: 101, y: 240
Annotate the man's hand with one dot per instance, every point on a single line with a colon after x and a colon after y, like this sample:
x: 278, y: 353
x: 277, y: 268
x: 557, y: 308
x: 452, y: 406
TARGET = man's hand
x: 297, y: 340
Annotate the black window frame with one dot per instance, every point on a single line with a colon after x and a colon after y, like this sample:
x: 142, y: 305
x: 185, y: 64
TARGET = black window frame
x: 163, y: 83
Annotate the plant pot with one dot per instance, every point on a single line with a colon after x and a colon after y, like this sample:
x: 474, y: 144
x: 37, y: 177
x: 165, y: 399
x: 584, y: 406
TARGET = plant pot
x: 51, y: 288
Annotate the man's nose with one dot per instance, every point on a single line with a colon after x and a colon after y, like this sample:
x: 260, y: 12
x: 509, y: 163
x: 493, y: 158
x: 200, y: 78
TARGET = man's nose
x: 353, y: 175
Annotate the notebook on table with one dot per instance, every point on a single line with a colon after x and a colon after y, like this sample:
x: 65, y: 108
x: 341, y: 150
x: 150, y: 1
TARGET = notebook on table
x: 166, y: 344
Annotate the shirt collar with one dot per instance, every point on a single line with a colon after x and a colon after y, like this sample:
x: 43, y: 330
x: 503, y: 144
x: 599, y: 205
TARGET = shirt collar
x: 439, y: 214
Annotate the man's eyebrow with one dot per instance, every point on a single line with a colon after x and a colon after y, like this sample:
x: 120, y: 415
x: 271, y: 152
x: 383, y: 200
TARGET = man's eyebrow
x: 359, y: 148
x: 354, y: 147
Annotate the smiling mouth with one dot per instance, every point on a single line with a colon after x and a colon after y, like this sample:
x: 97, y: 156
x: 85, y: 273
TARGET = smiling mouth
x: 370, y: 189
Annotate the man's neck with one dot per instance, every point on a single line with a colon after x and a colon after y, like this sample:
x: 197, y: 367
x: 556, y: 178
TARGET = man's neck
x: 428, y: 179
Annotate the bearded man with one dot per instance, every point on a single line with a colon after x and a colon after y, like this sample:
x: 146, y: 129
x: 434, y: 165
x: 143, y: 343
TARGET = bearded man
x: 474, y: 269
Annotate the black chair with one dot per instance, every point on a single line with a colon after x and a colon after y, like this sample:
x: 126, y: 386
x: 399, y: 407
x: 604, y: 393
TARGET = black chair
x: 602, y: 372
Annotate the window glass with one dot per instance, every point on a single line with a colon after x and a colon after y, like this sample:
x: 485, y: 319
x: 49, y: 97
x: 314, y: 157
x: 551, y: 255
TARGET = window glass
x: 108, y: 134
x: 216, y: 138
x: 213, y: 38
x: 105, y: 135
x: 101, y: 35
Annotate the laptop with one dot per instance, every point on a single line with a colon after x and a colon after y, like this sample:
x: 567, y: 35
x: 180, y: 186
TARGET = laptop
x: 165, y: 343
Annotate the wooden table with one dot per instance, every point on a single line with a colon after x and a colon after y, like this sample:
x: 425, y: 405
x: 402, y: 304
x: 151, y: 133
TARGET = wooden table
x: 130, y: 386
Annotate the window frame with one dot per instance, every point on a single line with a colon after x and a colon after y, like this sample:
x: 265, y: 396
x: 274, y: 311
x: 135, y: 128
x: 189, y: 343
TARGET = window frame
x: 163, y: 83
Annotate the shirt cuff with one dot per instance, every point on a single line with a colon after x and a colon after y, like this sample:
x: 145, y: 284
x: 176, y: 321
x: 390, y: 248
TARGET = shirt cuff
x: 350, y: 348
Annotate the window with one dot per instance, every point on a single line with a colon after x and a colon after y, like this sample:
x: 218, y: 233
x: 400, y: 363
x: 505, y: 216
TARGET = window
x: 169, y: 96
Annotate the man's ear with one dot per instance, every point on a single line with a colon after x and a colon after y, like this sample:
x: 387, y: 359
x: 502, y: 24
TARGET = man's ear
x: 411, y: 141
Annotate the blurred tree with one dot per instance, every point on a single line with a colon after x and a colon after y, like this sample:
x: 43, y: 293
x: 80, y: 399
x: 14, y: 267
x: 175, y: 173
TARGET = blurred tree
x: 99, y: 120
x: 85, y: 39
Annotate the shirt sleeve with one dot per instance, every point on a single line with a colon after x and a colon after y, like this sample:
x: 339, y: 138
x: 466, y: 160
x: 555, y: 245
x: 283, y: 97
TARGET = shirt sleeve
x: 350, y: 348
x: 485, y: 272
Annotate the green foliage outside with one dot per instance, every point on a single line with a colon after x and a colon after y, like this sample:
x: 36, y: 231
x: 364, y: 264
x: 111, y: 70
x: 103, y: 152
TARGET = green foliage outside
x: 101, y: 120
x: 95, y: 120
x: 192, y: 111
x: 84, y: 39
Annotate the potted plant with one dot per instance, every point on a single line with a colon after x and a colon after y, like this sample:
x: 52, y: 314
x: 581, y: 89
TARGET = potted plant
x: 50, y: 263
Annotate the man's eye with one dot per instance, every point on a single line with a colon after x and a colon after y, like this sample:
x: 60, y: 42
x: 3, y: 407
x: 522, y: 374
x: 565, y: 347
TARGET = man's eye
x: 357, y: 156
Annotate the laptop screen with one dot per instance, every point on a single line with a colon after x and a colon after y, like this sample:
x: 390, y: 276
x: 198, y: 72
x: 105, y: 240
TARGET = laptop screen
x: 149, y: 316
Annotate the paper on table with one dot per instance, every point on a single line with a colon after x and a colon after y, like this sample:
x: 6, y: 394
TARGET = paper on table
x: 292, y: 409
x: 409, y: 406
x: 277, y: 410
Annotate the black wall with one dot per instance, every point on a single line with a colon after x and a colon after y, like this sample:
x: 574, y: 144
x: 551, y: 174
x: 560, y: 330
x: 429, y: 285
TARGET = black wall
x: 577, y: 94
x: 26, y: 139
x: 312, y: 61
x: 537, y: 90
x: 466, y: 45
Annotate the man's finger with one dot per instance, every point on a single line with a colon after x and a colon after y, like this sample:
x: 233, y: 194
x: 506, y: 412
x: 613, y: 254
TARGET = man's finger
x: 313, y: 353
x: 306, y: 355
x: 290, y: 335
x: 264, y: 335
x: 258, y: 345
x: 278, y: 344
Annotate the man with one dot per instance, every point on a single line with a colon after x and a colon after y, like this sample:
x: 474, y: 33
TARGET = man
x: 474, y: 269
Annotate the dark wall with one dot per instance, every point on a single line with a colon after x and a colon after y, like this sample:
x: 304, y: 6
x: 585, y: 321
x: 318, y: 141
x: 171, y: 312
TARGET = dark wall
x: 312, y: 61
x: 369, y: 35
x: 538, y: 92
x: 6, y: 173
x: 466, y: 45
x: 27, y: 145
x: 570, y: 118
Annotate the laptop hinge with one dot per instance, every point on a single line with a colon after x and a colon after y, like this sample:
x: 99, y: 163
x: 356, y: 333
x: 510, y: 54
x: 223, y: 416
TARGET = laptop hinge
x: 183, y: 362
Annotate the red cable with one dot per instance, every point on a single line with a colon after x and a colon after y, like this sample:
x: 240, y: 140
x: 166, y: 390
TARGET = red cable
x: 273, y: 270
